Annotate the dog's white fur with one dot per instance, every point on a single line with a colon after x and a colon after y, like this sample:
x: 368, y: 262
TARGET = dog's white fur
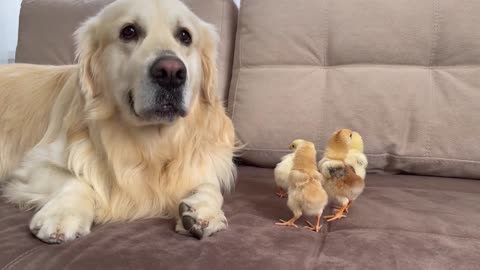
x: 72, y: 150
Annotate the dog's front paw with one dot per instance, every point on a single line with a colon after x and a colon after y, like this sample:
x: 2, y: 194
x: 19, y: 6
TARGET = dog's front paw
x: 56, y: 224
x: 200, y: 221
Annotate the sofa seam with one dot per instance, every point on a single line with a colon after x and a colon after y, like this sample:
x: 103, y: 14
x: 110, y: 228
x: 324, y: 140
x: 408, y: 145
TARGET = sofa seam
x: 319, y: 248
x: 403, y: 66
x: 19, y: 258
x: 423, y: 189
x: 434, y: 44
x: 376, y: 155
x: 240, y: 47
x: 435, y: 30
x: 429, y: 126
x: 406, y: 231
x: 222, y: 18
x: 234, y: 102
x: 217, y: 60
x: 326, y: 33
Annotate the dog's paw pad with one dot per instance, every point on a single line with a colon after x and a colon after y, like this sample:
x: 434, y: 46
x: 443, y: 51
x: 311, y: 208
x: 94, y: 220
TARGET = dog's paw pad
x: 195, y: 227
x: 183, y: 207
x: 188, y: 222
x: 56, y: 238
x: 193, y: 224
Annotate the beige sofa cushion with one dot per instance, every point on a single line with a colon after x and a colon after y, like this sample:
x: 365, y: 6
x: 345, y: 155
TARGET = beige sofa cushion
x: 46, y: 27
x: 404, y: 73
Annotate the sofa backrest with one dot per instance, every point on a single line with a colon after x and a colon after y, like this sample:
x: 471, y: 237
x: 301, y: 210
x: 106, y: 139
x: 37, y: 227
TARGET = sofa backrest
x: 46, y: 27
x: 404, y: 73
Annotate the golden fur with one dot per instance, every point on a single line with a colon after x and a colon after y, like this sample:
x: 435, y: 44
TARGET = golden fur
x: 69, y: 115
x: 27, y: 94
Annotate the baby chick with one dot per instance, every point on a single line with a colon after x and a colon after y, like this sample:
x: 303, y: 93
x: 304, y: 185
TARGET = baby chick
x: 343, y: 158
x: 355, y: 156
x: 305, y: 192
x: 338, y: 145
x: 281, y: 172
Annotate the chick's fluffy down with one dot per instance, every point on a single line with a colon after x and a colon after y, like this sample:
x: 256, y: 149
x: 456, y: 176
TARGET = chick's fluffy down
x: 282, y: 171
x: 309, y: 197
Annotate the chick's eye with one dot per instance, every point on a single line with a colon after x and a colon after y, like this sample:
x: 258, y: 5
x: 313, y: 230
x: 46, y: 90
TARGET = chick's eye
x: 129, y: 33
x: 184, y: 37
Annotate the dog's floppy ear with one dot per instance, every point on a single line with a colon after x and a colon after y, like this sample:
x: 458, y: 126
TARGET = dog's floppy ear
x: 88, y: 56
x: 209, y: 63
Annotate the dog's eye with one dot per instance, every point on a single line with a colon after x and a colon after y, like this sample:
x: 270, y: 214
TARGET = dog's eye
x: 129, y: 33
x: 184, y: 37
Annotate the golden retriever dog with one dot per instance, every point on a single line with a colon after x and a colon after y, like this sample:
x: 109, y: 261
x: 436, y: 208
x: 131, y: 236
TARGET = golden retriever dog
x: 135, y: 130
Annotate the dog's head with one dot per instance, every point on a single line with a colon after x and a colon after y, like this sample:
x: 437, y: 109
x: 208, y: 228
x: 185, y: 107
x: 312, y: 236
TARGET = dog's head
x: 148, y: 60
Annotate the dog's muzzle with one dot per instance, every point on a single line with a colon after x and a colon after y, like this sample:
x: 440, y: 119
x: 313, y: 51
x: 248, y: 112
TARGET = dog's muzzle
x: 162, y: 98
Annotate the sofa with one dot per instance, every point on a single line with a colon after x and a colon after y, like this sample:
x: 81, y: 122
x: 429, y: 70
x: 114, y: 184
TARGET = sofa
x: 404, y: 73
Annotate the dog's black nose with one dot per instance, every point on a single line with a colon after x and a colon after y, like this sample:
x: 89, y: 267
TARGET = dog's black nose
x: 169, y: 72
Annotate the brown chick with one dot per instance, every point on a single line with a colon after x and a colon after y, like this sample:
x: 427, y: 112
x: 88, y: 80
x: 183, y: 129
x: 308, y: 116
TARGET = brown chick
x: 342, y: 187
x: 305, y: 192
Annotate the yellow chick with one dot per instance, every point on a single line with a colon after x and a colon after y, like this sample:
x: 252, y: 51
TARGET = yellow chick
x: 305, y: 192
x: 356, y: 157
x: 343, y: 158
x: 281, y: 172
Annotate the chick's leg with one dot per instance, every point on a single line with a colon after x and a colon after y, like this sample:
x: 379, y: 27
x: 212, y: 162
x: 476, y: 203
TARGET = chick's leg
x: 340, y: 213
x: 337, y: 208
x: 315, y: 228
x: 296, y: 209
x: 281, y: 193
x: 348, y: 206
x: 290, y: 222
x: 297, y: 213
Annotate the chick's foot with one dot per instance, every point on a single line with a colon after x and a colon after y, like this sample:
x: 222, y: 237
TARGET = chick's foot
x: 340, y: 214
x: 281, y: 193
x: 289, y: 223
x: 315, y: 228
